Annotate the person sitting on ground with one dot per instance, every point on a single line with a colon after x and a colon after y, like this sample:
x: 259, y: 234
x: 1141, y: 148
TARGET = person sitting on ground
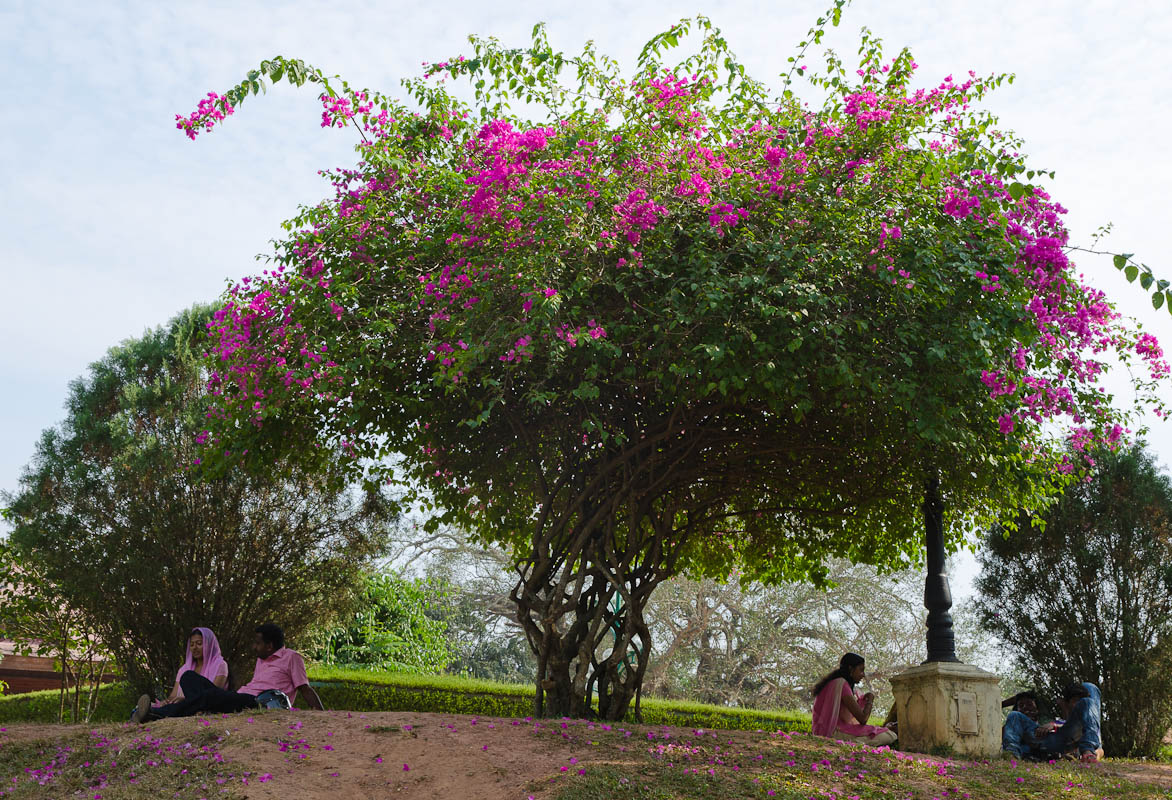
x: 203, y: 656
x: 1081, y: 705
x: 840, y: 712
x: 278, y: 679
x: 1021, y: 731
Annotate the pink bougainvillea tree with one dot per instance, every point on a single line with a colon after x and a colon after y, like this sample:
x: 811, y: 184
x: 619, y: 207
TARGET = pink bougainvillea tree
x: 674, y: 320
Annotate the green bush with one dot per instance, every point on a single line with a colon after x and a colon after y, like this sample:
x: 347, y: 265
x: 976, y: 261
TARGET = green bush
x: 389, y: 629
x: 357, y: 690
x: 115, y: 701
x: 360, y: 690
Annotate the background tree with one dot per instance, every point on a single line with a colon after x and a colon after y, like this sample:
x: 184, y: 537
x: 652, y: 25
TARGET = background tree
x: 39, y: 619
x: 389, y: 629
x: 676, y: 320
x: 111, y: 513
x: 765, y: 646
x: 485, y: 637
x: 1089, y: 596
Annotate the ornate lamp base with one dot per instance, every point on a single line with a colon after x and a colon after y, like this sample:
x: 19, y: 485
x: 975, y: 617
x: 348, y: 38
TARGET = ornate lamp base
x: 948, y: 707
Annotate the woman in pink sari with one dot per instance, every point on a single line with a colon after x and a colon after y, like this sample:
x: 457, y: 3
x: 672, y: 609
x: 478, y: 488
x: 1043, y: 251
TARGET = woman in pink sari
x: 203, y: 656
x: 840, y: 712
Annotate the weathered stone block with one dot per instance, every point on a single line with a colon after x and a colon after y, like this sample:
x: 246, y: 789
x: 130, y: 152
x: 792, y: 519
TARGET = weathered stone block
x: 947, y: 705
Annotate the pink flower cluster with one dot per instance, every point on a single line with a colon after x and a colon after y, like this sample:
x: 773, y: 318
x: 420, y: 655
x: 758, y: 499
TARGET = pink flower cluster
x: 211, y: 109
x: 337, y: 110
x: 477, y: 243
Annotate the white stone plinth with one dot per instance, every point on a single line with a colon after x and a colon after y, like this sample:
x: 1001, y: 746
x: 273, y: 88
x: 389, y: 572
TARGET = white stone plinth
x: 944, y: 705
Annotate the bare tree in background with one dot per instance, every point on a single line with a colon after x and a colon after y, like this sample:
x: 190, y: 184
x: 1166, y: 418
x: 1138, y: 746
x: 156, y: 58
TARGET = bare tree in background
x: 765, y: 646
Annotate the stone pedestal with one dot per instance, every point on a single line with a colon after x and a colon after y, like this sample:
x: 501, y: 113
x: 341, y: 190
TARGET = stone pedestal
x: 948, y: 705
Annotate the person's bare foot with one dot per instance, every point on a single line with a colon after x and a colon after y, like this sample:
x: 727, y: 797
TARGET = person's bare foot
x: 141, y: 709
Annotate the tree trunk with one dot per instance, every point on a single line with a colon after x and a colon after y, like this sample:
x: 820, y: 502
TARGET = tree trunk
x: 602, y: 541
x: 64, y: 674
x: 587, y: 630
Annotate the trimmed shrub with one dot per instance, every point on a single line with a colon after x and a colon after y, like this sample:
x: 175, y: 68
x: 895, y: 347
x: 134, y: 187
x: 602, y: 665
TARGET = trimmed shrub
x: 356, y: 690
x: 359, y: 690
x: 115, y: 701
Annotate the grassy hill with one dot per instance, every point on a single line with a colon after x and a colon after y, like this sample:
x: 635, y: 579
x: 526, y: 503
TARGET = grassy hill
x: 340, y: 754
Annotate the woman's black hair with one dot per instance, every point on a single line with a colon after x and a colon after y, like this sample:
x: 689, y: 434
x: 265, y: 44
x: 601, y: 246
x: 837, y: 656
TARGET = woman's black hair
x: 845, y: 665
x: 272, y: 634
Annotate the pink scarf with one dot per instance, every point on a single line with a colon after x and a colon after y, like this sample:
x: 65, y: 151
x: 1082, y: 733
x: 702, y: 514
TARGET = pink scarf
x: 827, y: 706
x: 213, y: 662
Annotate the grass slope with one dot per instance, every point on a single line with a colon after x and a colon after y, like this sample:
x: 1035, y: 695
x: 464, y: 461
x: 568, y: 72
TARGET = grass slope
x: 720, y: 765
x: 322, y: 756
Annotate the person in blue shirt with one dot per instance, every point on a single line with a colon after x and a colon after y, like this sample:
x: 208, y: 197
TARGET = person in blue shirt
x: 1082, y: 706
x: 1021, y: 728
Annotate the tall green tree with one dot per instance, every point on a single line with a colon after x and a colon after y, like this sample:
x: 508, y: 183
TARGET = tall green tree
x: 1089, y: 596
x: 674, y: 319
x: 112, y: 512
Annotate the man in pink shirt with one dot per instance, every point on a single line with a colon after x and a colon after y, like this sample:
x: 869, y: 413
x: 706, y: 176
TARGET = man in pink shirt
x: 279, y: 673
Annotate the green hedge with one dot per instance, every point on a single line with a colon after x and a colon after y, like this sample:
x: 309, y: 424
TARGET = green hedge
x: 115, y: 702
x: 358, y: 690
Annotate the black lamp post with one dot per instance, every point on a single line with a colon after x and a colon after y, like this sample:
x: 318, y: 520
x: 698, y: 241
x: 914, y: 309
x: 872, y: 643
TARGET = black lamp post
x: 937, y: 597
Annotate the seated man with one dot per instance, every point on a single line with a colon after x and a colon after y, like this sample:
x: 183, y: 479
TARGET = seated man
x: 279, y: 674
x: 1021, y: 728
x: 1081, y: 705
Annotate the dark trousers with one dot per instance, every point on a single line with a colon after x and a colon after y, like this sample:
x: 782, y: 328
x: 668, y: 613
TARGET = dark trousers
x: 200, y: 694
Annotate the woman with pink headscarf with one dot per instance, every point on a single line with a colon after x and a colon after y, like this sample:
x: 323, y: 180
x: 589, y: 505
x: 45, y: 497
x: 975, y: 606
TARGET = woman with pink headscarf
x: 203, y: 656
x: 840, y: 712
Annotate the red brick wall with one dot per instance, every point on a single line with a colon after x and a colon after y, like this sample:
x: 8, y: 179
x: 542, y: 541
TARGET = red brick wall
x: 28, y: 673
x: 31, y: 673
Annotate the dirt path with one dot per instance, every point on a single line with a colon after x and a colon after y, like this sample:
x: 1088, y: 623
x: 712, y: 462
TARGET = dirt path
x: 325, y: 755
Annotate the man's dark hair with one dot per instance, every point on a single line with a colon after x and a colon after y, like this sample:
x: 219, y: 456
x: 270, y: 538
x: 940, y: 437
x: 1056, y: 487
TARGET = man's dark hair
x: 1027, y: 695
x: 1075, y: 690
x: 272, y: 634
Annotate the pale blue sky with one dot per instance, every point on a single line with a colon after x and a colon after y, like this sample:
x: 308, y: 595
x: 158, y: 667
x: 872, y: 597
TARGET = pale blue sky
x: 113, y: 221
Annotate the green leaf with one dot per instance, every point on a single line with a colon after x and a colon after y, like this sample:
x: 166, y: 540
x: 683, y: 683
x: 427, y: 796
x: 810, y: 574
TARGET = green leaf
x: 1157, y: 300
x: 1016, y: 190
x: 1146, y: 280
x: 1120, y: 262
x: 1131, y: 273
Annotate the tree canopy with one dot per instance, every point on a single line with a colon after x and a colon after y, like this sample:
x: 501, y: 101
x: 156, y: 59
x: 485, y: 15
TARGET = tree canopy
x: 110, y: 512
x: 676, y: 319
